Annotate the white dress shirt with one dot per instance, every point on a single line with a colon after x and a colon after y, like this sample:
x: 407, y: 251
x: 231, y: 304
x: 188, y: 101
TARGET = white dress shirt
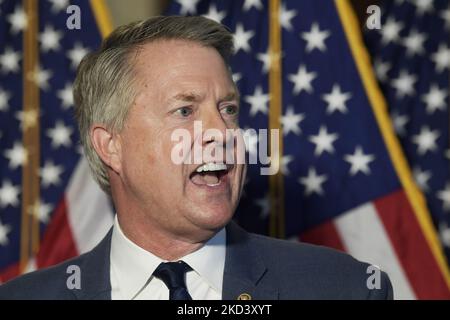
x: 132, y: 268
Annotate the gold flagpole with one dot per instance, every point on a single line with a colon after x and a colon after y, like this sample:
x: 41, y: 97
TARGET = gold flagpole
x: 276, y: 182
x: 31, y: 133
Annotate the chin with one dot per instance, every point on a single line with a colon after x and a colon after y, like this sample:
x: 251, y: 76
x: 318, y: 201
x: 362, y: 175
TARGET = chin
x: 213, y: 218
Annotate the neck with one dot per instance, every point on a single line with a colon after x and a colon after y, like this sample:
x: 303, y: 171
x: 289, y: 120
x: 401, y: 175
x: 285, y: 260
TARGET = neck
x: 169, y: 242
x: 155, y: 240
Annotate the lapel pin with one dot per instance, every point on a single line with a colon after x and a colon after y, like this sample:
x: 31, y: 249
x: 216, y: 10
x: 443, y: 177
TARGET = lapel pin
x: 244, y: 296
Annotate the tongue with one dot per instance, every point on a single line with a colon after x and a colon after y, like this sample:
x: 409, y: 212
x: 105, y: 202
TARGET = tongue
x: 205, y: 178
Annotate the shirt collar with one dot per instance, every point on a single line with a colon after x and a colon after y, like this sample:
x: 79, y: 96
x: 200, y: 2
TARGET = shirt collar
x: 133, y: 265
x: 209, y: 260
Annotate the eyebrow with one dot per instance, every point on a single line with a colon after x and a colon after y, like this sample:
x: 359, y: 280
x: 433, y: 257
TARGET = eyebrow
x: 230, y: 97
x: 189, y: 97
x: 194, y: 97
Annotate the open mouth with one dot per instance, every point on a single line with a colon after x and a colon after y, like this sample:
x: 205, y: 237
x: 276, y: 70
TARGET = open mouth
x: 210, y: 174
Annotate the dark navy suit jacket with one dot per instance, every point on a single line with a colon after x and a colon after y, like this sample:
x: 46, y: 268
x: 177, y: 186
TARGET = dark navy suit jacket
x: 262, y: 267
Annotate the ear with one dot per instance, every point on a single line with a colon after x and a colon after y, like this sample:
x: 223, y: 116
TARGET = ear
x: 107, y: 146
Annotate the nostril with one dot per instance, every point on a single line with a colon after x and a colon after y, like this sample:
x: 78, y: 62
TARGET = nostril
x: 210, y: 140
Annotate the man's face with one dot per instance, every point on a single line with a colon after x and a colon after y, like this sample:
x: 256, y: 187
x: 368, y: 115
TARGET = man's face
x: 179, y: 82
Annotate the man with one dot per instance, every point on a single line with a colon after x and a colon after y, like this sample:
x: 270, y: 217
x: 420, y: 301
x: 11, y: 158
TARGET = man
x: 172, y: 237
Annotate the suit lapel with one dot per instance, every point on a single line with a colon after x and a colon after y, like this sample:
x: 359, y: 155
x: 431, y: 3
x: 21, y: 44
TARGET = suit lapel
x: 244, y: 268
x: 95, y: 272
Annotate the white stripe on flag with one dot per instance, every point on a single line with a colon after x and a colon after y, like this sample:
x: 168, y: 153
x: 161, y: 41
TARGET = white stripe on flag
x: 364, y: 237
x: 89, y: 212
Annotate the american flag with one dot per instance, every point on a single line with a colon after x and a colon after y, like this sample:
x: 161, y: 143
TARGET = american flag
x: 346, y: 181
x: 72, y: 213
x: 412, y: 63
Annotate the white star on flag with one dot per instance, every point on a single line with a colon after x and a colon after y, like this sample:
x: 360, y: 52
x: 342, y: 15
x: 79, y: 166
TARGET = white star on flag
x: 390, y: 31
x: 323, y: 141
x: 59, y: 5
x: 28, y: 119
x: 60, y: 135
x: 248, y: 4
x: 404, y: 84
x: 4, y: 99
x: 9, y: 194
x: 17, y: 155
x: 291, y: 121
x: 76, y: 54
x: 445, y: 15
x: 359, y: 161
x: 302, y: 80
x: 264, y: 204
x: 381, y: 69
x: 315, y: 39
x: 444, y: 232
x: 50, y: 39
x: 9, y: 61
x: 4, y: 230
x: 421, y: 178
x: 188, y: 6
x: 285, y: 160
x: 423, y: 6
x: 66, y: 96
x: 286, y: 16
x: 336, y: 99
x: 444, y: 195
x: 50, y: 174
x: 214, y: 14
x: 43, y: 211
x: 236, y: 77
x: 313, y: 182
x: 41, y: 77
x: 18, y: 20
x: 414, y: 43
x: 265, y: 59
x: 399, y: 122
x: 441, y: 58
x: 242, y: 38
x: 435, y: 99
x: 426, y: 140
x: 258, y: 101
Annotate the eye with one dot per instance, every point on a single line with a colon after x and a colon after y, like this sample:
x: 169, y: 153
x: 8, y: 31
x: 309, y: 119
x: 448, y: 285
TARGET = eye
x: 184, y: 111
x: 230, y: 110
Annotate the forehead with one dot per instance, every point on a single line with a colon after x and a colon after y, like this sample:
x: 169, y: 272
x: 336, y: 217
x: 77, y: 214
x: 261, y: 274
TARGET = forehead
x: 170, y: 54
x: 174, y: 65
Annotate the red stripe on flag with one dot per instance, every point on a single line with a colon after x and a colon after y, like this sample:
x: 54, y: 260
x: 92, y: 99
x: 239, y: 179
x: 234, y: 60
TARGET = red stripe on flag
x: 325, y: 234
x: 57, y: 244
x: 9, y: 273
x: 411, y: 246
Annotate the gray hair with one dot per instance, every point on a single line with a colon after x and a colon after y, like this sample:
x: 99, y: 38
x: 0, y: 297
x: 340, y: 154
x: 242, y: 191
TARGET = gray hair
x: 104, y: 85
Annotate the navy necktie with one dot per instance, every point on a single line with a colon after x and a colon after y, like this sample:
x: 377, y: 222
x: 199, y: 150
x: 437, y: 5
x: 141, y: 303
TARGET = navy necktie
x: 173, y: 274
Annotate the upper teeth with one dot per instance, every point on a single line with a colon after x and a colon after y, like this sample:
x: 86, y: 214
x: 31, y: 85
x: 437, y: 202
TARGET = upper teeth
x: 211, y: 167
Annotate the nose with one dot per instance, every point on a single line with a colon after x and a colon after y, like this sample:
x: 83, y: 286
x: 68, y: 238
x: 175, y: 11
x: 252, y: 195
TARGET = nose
x: 214, y: 127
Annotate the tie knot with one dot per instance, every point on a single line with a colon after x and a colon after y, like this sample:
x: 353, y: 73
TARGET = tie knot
x: 172, y: 274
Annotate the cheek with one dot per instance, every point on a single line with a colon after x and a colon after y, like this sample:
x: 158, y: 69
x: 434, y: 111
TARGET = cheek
x: 140, y: 151
x: 174, y: 148
x: 157, y: 155
x: 139, y: 155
